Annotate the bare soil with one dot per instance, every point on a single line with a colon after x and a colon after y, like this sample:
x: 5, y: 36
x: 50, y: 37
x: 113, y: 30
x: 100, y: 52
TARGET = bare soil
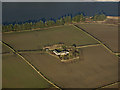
x: 108, y: 34
x: 17, y: 74
x: 37, y: 39
x: 96, y: 67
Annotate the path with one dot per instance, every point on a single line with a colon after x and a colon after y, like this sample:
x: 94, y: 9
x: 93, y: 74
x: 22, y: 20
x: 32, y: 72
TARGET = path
x: 15, y: 52
x: 95, y: 39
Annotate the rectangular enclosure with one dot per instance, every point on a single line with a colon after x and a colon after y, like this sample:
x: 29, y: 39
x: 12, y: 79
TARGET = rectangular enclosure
x: 37, y: 39
x: 96, y: 67
x: 108, y: 34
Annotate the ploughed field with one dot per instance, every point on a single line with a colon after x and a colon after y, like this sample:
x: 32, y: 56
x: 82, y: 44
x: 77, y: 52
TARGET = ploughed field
x: 17, y: 74
x: 115, y: 86
x: 108, y: 34
x: 96, y: 67
x: 5, y: 49
x: 67, y: 34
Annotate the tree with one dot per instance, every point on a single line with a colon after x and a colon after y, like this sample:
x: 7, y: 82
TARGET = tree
x: 58, y: 22
x: 82, y: 18
x: 62, y: 22
x: 4, y: 28
x: 7, y: 28
x: 75, y: 19
x: 74, y: 45
x: 67, y: 19
x: 15, y: 27
x: 102, y: 17
x: 64, y: 47
x: 39, y: 24
x: 99, y: 17
x: 22, y: 26
x: 50, y: 23
x: 78, y: 18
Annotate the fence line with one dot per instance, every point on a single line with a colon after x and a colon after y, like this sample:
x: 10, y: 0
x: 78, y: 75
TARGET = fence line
x: 15, y: 52
x: 95, y: 39
x: 111, y: 84
x: 88, y: 45
x: 37, y: 29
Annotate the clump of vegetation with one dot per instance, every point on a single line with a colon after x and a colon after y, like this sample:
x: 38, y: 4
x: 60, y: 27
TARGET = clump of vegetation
x: 99, y: 17
x: 63, y: 52
x: 49, y: 23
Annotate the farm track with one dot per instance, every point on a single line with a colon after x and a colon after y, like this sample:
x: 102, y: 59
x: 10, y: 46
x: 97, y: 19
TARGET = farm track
x: 18, y: 53
x: 99, y: 41
x: 15, y: 52
x: 42, y: 52
x: 108, y: 85
x: 92, y: 45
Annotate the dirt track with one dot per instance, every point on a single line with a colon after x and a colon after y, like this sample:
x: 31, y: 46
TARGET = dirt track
x: 17, y: 74
x: 37, y: 39
x: 108, y: 34
x: 97, y: 68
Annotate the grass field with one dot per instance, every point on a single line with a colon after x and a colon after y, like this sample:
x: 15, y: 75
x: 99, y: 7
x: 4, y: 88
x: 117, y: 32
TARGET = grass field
x: 37, y: 39
x: 96, y: 68
x: 108, y: 34
x: 17, y: 74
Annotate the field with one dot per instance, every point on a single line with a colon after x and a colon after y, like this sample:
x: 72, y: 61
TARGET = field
x: 97, y: 68
x: 108, y: 34
x: 37, y: 39
x: 17, y: 74
x: 114, y: 86
x: 5, y: 49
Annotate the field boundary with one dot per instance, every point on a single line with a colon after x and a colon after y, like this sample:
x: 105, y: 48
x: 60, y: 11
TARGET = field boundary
x: 15, y: 52
x: 37, y: 29
x: 99, y: 41
x: 108, y: 85
x: 91, y: 45
x: 40, y: 51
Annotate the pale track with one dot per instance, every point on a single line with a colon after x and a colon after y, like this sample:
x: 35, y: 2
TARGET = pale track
x: 79, y: 28
x: 15, y: 52
x: 100, y: 43
x: 106, y: 86
x: 104, y: 47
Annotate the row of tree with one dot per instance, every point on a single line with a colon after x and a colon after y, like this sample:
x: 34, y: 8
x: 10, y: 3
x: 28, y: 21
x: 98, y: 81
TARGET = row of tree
x: 100, y: 17
x: 48, y: 23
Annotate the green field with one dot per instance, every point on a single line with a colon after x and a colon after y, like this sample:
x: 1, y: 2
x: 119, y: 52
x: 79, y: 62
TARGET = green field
x: 37, y: 39
x: 17, y: 74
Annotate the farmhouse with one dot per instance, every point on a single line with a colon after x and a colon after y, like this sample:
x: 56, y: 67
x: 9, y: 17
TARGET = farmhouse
x: 58, y: 52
